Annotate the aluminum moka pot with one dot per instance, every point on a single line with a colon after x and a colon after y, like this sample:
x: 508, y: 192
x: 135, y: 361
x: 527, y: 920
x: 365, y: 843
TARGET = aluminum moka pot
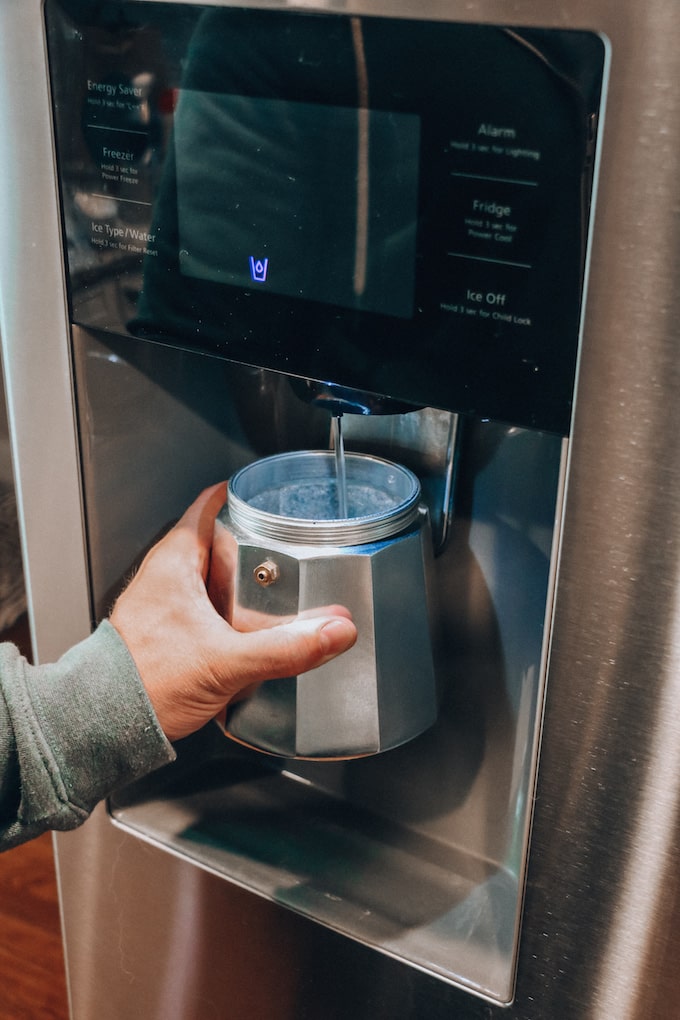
x: 294, y: 552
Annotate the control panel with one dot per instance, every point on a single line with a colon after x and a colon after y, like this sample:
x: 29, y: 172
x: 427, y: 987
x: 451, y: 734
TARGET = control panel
x: 285, y: 190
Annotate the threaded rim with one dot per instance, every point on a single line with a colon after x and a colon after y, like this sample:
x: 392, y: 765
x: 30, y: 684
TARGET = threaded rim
x: 391, y: 482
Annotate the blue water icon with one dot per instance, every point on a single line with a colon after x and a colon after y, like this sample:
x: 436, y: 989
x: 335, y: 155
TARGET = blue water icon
x: 259, y: 269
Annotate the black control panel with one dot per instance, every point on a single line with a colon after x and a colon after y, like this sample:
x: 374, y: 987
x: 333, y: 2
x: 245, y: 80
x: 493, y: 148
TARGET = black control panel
x: 391, y: 205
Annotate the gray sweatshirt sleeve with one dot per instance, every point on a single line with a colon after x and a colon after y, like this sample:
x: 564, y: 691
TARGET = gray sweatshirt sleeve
x: 70, y: 733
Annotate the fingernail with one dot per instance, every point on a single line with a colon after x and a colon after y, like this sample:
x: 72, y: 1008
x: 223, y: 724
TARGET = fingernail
x: 337, y: 635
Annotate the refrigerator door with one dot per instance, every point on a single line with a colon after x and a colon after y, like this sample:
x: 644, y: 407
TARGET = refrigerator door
x: 151, y: 932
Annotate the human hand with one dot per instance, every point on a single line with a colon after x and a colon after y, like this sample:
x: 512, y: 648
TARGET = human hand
x: 191, y: 661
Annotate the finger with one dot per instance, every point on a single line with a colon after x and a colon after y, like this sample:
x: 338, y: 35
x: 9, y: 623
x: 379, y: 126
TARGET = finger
x: 192, y: 536
x: 246, y: 620
x: 312, y: 614
x: 200, y: 516
x: 291, y: 648
x: 223, y: 570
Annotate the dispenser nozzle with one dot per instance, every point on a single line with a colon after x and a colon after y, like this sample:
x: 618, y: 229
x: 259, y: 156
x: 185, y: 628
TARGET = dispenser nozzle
x: 338, y: 400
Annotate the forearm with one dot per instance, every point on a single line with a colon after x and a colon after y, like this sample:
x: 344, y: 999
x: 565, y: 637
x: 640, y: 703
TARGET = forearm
x: 70, y: 733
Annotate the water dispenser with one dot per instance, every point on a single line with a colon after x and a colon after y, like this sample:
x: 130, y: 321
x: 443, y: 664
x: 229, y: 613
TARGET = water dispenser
x: 273, y: 219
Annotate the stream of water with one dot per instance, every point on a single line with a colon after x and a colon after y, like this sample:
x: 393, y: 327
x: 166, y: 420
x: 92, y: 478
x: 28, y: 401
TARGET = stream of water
x: 340, y: 468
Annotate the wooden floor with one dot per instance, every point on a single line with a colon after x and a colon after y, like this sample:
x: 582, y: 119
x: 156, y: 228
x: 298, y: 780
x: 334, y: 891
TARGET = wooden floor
x: 32, y: 981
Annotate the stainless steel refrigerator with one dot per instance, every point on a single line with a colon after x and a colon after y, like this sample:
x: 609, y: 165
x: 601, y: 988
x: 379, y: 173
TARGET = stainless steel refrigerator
x: 461, y: 221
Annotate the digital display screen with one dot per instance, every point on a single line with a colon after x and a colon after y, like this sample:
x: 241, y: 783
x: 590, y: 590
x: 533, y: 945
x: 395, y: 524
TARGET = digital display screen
x: 301, y: 199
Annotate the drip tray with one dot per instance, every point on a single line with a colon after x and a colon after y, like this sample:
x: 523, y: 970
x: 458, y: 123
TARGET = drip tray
x: 412, y: 897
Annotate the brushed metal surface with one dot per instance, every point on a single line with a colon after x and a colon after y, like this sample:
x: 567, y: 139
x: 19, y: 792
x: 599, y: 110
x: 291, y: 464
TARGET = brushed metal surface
x: 383, y: 692
x: 607, y: 794
x: 34, y: 330
x: 600, y: 934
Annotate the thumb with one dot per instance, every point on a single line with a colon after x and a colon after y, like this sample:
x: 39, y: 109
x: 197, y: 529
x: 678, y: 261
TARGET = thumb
x: 290, y: 648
